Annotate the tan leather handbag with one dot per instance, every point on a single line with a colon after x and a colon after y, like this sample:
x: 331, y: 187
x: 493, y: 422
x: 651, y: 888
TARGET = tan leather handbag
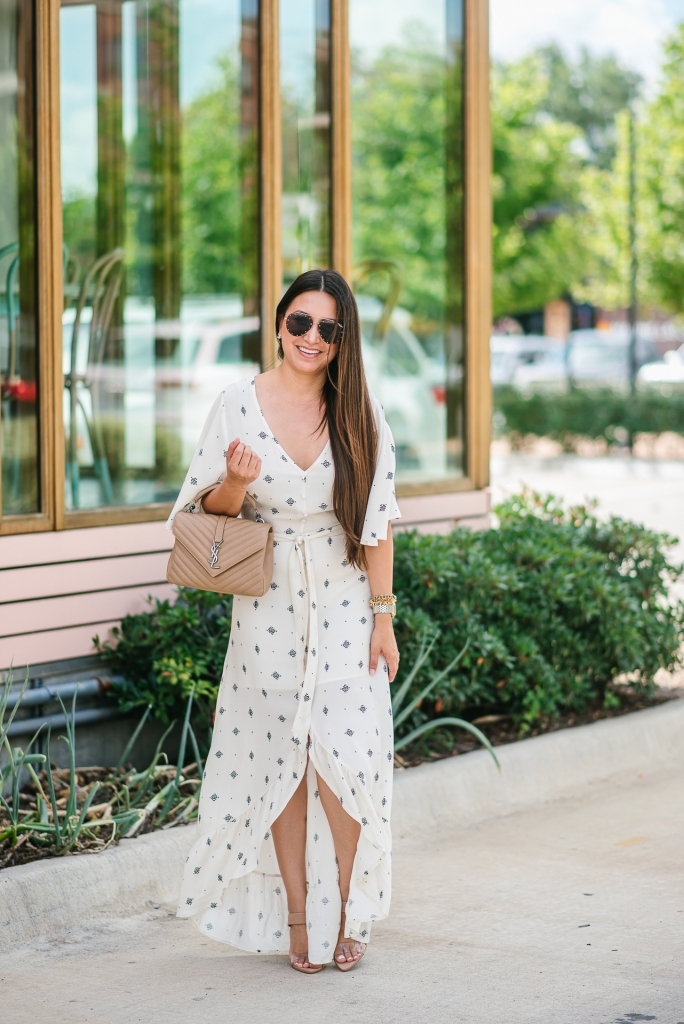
x: 221, y: 553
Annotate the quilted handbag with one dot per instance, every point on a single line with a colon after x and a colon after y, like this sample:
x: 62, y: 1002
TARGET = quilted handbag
x: 221, y: 553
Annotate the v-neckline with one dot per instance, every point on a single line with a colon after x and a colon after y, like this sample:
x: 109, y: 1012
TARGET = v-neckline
x: 288, y: 457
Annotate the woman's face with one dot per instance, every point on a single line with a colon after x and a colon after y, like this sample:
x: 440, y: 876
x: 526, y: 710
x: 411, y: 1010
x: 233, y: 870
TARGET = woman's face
x: 308, y: 353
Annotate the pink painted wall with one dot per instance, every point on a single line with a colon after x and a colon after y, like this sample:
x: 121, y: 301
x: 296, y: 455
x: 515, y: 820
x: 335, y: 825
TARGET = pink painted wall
x: 58, y: 590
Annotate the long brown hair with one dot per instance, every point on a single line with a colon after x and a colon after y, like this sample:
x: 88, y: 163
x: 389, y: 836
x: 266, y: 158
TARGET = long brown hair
x: 347, y: 408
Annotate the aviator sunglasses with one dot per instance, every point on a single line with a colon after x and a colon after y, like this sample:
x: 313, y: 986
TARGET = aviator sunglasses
x: 300, y: 323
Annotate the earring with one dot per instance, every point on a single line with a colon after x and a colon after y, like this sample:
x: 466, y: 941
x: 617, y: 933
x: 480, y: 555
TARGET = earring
x: 278, y: 338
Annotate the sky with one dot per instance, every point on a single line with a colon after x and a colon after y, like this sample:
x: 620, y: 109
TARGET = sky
x: 208, y: 28
x: 374, y: 24
x: 633, y: 30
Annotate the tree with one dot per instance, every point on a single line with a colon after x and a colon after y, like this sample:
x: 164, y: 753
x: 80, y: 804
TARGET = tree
x: 559, y: 194
x: 211, y: 187
x: 400, y: 110
x: 539, y: 247
x: 589, y: 94
x: 660, y: 169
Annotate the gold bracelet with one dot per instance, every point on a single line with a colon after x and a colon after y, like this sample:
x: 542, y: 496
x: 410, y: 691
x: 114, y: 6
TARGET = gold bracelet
x: 384, y: 604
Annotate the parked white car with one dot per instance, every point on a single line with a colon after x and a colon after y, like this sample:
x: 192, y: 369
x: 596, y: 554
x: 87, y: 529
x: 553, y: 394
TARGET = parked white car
x: 601, y: 358
x: 411, y: 387
x: 527, y: 360
x: 669, y: 371
x: 589, y: 358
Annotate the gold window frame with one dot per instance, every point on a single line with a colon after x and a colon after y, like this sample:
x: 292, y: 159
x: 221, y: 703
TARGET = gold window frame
x: 52, y: 514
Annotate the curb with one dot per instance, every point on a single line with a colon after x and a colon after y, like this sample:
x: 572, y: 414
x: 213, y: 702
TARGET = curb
x: 48, y: 899
x: 468, y: 789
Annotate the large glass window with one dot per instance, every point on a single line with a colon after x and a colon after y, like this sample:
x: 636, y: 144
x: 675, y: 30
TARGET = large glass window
x: 407, y: 132
x: 159, y: 123
x: 305, y: 121
x: 18, y: 337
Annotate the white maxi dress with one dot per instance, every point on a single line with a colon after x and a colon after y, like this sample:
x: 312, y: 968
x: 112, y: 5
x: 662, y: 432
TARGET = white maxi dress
x: 296, y: 697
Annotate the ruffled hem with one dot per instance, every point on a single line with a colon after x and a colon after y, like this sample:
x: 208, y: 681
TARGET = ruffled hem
x: 230, y: 894
x: 233, y: 850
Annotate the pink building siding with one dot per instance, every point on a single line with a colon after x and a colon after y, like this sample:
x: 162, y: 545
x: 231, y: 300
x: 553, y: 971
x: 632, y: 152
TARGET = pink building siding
x: 59, y: 589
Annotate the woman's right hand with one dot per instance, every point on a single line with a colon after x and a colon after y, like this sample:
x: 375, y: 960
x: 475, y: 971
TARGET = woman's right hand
x: 242, y: 468
x: 242, y: 465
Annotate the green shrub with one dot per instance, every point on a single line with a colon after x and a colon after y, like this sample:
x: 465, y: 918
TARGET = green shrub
x: 588, y: 413
x: 165, y: 653
x: 554, y: 604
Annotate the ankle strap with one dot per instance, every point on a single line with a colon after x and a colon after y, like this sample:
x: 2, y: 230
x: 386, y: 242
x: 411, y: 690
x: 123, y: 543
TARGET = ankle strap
x: 296, y: 919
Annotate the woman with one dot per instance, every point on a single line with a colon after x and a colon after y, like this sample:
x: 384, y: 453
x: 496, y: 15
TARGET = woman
x: 294, y: 815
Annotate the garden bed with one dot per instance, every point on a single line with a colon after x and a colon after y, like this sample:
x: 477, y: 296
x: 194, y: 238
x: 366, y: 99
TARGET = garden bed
x: 500, y: 729
x: 554, y: 619
x: 112, y: 782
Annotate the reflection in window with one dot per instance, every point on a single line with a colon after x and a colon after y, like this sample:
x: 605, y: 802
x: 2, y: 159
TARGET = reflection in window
x: 407, y: 138
x: 18, y: 341
x: 305, y: 113
x: 159, y: 120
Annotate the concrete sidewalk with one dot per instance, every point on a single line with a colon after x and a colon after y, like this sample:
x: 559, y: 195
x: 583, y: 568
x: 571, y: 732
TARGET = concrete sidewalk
x: 568, y: 913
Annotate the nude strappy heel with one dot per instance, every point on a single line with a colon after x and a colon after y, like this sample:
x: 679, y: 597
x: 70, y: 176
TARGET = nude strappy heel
x: 355, y: 947
x: 297, y: 960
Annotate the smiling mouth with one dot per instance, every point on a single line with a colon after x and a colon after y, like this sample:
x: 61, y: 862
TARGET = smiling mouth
x: 308, y: 351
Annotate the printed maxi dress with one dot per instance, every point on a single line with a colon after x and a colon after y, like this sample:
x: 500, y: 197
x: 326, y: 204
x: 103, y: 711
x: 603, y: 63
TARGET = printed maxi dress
x: 296, y: 697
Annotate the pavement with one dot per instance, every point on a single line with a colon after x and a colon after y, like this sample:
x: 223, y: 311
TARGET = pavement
x: 648, y: 491
x: 568, y: 913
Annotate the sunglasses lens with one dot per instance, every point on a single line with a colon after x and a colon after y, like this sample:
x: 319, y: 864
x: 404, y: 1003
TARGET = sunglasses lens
x: 299, y: 324
x: 327, y: 330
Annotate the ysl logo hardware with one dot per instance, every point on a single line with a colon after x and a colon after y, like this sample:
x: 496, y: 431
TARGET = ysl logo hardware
x: 213, y: 561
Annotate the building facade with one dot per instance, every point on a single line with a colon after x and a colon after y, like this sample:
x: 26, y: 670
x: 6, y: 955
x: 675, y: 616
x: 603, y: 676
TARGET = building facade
x: 168, y: 167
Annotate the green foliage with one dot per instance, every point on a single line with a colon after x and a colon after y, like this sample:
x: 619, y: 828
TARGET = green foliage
x: 539, y: 249
x: 554, y: 604
x: 35, y: 823
x: 554, y: 142
x: 401, y: 711
x: 402, y: 103
x: 170, y: 652
x: 588, y: 413
x: 219, y: 191
x: 589, y: 94
x: 79, y: 228
x: 660, y: 165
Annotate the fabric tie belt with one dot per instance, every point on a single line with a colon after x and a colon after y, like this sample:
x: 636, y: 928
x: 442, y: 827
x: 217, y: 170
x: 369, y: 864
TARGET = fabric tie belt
x: 305, y: 607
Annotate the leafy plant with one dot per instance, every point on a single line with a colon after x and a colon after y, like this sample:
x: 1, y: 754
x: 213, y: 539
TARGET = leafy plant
x: 555, y: 604
x: 400, y: 714
x: 56, y: 813
x: 170, y: 652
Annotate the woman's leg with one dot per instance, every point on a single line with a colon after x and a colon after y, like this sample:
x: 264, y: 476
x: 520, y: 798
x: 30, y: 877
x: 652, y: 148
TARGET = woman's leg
x: 289, y: 839
x: 345, y: 831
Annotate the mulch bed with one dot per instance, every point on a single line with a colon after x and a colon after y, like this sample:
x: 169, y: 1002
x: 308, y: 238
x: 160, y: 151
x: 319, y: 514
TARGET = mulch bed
x: 500, y: 729
x: 116, y: 791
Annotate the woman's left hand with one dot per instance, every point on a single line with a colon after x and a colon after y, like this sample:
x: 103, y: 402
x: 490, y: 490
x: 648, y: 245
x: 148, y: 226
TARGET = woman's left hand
x: 384, y: 642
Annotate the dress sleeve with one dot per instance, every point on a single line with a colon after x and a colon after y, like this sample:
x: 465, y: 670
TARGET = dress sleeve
x: 382, y: 502
x: 208, y: 464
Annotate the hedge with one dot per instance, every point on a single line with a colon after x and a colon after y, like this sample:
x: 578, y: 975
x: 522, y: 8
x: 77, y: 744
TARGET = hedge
x: 587, y: 413
x: 554, y: 605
